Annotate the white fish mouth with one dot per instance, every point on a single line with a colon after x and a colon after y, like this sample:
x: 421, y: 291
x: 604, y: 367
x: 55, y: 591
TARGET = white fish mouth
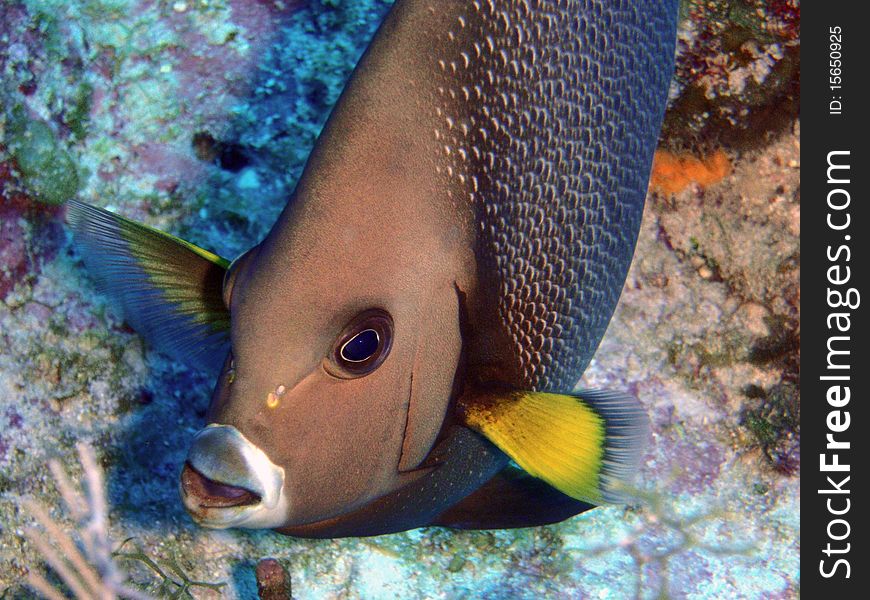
x: 229, y: 482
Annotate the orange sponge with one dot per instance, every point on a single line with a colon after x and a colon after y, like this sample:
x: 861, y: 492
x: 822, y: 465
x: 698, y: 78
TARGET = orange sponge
x: 672, y: 173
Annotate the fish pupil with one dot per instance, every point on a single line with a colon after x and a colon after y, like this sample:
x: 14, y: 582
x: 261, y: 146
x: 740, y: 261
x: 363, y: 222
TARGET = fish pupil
x: 361, y: 346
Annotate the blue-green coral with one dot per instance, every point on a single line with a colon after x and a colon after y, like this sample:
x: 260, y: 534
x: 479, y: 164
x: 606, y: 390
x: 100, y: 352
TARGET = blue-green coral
x: 46, y: 166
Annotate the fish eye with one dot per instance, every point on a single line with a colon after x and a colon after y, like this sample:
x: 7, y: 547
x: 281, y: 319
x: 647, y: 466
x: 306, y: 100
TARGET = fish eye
x: 360, y: 347
x: 364, y: 343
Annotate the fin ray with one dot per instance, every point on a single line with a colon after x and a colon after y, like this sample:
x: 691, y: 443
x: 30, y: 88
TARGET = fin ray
x: 169, y: 290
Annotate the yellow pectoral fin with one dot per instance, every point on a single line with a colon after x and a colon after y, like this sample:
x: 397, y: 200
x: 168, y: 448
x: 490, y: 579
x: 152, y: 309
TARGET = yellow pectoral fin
x: 586, y: 445
x: 169, y: 290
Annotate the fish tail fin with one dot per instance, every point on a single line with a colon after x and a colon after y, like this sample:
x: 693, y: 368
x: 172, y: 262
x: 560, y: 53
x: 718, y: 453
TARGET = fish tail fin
x: 169, y: 290
x: 587, y: 445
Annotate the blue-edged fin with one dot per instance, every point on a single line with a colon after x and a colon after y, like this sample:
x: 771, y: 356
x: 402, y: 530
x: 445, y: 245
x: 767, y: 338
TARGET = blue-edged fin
x: 586, y: 445
x: 169, y: 290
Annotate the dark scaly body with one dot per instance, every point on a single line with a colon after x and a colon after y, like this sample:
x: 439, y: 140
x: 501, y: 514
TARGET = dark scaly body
x: 549, y: 115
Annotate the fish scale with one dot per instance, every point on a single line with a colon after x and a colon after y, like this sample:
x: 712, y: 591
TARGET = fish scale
x: 575, y: 78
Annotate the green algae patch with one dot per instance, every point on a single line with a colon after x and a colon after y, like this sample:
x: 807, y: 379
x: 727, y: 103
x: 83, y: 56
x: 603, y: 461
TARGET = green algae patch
x: 78, y: 116
x: 46, y: 167
x: 456, y: 564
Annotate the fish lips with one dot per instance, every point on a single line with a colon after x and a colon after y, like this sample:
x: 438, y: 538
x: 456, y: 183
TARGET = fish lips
x: 227, y: 481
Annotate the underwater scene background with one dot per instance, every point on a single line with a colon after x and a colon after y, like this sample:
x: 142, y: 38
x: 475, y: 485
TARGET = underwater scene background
x: 196, y: 117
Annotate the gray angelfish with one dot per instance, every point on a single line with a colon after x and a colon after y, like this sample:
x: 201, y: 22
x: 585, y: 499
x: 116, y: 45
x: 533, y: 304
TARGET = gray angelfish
x: 402, y: 347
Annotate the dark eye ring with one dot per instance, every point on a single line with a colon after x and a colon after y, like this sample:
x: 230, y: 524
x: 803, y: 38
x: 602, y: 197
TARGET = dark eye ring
x: 364, y: 343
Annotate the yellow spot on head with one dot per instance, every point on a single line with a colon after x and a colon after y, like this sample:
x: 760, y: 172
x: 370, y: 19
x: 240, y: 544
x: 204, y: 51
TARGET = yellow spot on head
x: 272, y: 400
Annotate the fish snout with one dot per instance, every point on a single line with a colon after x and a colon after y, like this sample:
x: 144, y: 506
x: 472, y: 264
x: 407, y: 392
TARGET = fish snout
x: 228, y: 481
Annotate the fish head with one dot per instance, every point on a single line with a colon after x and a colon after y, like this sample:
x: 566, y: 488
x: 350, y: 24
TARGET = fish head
x: 346, y: 344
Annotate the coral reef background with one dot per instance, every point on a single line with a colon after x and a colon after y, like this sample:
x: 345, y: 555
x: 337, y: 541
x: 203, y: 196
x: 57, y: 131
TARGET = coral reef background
x: 196, y: 116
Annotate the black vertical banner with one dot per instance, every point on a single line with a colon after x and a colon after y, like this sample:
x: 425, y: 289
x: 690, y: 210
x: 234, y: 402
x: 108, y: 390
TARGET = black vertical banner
x: 835, y: 424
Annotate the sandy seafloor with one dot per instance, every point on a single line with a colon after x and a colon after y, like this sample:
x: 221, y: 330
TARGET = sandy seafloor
x: 196, y: 116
